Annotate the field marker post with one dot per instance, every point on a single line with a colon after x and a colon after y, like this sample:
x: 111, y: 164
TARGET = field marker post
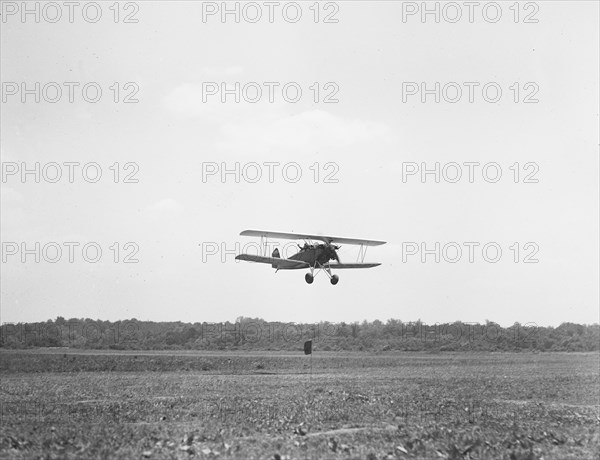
x: 308, y: 351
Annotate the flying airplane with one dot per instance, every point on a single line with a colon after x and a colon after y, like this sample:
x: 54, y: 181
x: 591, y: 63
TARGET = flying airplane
x: 311, y: 255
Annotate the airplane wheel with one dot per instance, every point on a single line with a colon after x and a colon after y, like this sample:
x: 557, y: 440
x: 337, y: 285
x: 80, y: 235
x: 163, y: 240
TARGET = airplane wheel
x: 334, y: 279
x: 309, y: 278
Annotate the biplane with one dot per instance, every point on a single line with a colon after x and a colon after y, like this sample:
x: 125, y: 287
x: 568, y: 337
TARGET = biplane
x: 312, y: 255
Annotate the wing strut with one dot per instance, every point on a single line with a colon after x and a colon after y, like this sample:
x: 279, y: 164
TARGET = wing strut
x: 362, y: 252
x: 263, y: 244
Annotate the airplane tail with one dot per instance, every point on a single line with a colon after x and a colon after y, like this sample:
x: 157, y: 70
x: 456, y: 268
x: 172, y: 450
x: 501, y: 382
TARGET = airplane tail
x: 275, y: 255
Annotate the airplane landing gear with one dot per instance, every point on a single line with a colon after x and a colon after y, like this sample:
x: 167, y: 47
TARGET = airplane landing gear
x: 310, y: 277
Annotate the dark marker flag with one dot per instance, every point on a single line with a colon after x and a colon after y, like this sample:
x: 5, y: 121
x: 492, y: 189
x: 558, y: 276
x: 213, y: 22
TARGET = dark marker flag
x: 308, y: 347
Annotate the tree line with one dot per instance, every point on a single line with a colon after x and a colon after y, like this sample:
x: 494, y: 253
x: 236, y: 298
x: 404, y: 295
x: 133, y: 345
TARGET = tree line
x: 258, y: 334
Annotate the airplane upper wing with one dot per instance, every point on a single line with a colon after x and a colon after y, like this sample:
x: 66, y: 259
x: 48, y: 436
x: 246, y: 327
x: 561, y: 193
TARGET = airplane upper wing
x: 303, y: 236
x: 283, y: 264
x: 357, y: 265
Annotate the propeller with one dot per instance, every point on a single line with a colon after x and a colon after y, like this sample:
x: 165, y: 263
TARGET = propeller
x: 334, y: 248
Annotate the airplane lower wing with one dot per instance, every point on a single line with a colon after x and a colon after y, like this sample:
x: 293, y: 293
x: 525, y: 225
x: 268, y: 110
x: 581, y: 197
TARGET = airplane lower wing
x: 280, y: 264
x: 357, y: 265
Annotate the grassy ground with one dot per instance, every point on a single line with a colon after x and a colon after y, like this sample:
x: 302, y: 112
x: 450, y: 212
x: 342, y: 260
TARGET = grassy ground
x: 208, y: 405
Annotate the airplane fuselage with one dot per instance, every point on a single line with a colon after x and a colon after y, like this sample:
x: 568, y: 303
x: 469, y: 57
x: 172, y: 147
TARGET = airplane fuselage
x: 315, y: 255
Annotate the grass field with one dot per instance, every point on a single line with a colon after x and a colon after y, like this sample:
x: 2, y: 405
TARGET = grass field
x: 93, y: 404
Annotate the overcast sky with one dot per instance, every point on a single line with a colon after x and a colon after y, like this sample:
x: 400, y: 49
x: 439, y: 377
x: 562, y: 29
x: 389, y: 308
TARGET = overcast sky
x: 372, y: 61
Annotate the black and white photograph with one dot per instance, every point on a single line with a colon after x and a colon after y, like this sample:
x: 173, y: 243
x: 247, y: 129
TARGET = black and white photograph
x: 300, y: 230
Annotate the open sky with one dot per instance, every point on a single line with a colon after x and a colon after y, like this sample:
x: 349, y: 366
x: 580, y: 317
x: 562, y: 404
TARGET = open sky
x: 368, y: 66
